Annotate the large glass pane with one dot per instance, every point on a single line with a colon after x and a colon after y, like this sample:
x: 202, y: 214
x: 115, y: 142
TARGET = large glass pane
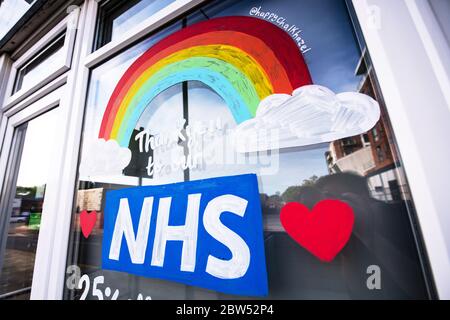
x: 36, y: 139
x: 310, y: 165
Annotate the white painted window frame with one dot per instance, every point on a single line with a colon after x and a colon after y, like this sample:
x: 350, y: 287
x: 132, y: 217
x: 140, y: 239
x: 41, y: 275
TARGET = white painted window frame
x: 64, y: 25
x: 34, y: 110
x: 428, y: 185
x: 50, y: 92
x: 5, y: 67
x: 401, y: 36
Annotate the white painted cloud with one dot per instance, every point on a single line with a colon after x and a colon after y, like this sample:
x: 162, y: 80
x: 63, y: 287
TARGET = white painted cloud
x: 312, y: 114
x: 102, y: 158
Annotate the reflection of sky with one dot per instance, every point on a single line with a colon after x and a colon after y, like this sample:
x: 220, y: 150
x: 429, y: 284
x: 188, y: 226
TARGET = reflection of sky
x: 163, y: 116
x: 326, y: 29
x: 293, y: 166
x: 38, y: 150
x: 10, y: 12
x: 46, y: 67
x: 164, y: 113
x: 138, y: 12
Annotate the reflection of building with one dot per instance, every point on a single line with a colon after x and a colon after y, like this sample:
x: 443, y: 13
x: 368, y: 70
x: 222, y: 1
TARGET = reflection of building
x: 371, y: 154
x: 27, y: 201
x: 91, y: 200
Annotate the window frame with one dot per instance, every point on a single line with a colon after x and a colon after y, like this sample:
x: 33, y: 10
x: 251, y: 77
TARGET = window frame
x: 108, y: 11
x: 66, y: 27
x: 8, y: 168
x: 57, y: 91
x: 405, y: 109
x: 46, y: 52
x: 140, y: 31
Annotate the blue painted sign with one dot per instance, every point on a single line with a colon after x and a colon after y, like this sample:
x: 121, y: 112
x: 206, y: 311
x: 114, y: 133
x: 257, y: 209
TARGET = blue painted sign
x: 205, y: 233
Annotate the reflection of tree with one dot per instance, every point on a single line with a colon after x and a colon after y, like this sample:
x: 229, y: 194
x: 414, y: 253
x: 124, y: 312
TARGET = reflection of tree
x: 29, y: 192
x: 273, y: 204
x: 275, y: 201
x: 311, y: 181
x: 293, y: 193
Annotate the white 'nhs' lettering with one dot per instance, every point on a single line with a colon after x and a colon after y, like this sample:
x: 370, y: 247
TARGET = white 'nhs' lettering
x: 233, y: 268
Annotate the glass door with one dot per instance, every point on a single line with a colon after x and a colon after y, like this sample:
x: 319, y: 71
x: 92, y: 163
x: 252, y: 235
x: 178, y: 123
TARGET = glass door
x: 22, y: 202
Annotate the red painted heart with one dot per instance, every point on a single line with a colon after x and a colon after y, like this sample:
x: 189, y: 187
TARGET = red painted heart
x: 87, y: 222
x: 323, y: 231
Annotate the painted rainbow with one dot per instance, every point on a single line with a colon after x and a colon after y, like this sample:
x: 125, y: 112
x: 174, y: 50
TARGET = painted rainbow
x: 243, y: 59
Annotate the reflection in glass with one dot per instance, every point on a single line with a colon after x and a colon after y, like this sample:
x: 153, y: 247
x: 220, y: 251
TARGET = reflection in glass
x: 138, y: 12
x: 27, y: 203
x: 158, y: 163
x: 10, y: 12
x: 43, y: 65
x: 118, y: 17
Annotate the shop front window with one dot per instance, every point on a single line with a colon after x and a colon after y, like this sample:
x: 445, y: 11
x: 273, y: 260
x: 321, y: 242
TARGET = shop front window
x: 166, y: 113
